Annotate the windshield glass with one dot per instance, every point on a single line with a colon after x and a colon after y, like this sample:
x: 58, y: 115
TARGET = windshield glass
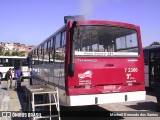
x: 105, y: 41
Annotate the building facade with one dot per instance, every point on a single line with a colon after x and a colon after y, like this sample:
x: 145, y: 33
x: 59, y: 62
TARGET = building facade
x: 15, y: 47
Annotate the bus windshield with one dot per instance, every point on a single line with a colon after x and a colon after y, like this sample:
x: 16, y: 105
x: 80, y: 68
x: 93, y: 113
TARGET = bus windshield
x: 105, y: 41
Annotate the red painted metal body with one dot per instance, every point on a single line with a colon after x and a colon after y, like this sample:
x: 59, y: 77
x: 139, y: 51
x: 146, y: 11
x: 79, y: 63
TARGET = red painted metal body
x: 99, y: 75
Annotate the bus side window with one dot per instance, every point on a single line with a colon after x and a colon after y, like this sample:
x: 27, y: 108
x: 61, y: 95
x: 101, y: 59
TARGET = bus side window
x: 46, y: 53
x: 158, y: 62
x: 63, y: 45
x: 8, y: 62
x: 52, y: 50
x: 41, y: 54
x: 1, y: 61
x: 63, y: 38
x: 36, y: 57
x: 146, y: 57
x: 57, y: 48
x: 58, y: 38
x: 60, y: 51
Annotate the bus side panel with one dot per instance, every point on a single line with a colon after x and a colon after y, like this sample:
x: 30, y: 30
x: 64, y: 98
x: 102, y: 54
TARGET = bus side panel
x: 52, y: 74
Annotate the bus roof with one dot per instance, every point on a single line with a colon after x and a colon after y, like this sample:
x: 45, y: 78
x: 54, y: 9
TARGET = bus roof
x: 90, y: 22
x: 13, y: 57
x: 154, y: 47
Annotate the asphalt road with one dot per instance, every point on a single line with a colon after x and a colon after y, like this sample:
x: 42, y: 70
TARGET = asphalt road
x: 13, y: 101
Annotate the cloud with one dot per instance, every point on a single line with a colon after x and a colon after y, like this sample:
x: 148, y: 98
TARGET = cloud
x: 87, y: 7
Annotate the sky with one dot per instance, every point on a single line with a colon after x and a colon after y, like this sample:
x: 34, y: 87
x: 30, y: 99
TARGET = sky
x: 32, y: 21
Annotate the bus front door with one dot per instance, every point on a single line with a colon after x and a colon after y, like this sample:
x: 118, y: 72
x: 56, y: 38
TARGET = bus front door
x: 151, y: 69
x: 157, y: 78
x: 154, y: 70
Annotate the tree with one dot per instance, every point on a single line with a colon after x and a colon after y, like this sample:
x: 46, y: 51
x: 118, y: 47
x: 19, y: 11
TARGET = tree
x: 1, y: 50
x: 13, y: 53
x: 7, y: 53
x: 1, y: 53
x: 18, y: 53
x: 154, y: 43
x: 21, y: 53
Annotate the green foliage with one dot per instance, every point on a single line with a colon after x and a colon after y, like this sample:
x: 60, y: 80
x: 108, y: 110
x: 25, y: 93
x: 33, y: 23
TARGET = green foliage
x: 7, y: 53
x: 21, y: 53
x: 14, y: 53
x: 1, y: 48
x: 18, y: 53
x: 1, y: 53
x: 154, y: 43
x: 57, y: 56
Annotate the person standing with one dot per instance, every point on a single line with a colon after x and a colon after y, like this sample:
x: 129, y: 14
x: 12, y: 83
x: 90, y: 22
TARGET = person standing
x: 19, y: 75
x: 1, y: 76
x: 8, y: 77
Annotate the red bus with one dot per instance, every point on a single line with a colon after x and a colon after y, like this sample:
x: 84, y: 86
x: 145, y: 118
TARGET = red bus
x: 91, y: 62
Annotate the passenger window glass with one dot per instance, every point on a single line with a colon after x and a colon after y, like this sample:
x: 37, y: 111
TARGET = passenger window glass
x: 58, y: 36
x: 105, y: 41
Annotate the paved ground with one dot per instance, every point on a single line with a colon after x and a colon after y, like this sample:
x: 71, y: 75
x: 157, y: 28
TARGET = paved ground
x: 10, y: 100
x: 14, y: 101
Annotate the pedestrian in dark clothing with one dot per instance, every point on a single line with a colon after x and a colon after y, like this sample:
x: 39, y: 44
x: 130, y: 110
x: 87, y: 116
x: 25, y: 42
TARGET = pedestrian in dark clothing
x: 1, y: 76
x: 18, y: 80
x: 8, y: 77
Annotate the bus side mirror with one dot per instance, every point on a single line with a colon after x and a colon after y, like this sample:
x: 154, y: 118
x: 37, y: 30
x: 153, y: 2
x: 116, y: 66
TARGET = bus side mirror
x: 71, y: 67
